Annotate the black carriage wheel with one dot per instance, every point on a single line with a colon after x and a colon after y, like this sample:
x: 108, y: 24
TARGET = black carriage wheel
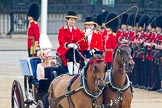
x: 17, y: 99
x: 40, y: 104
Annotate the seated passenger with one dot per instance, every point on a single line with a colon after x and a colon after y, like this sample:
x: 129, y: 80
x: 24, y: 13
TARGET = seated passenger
x: 46, y: 62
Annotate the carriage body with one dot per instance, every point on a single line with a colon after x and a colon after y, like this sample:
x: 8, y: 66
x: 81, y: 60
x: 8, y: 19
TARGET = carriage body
x: 36, y: 92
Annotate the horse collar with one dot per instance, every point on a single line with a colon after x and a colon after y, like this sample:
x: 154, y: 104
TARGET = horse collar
x: 83, y: 83
x: 116, y: 87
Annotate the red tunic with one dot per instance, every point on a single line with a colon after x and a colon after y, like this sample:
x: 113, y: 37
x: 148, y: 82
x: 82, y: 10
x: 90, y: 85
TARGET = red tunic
x: 64, y: 37
x: 119, y: 34
x: 158, y: 37
x: 33, y: 32
x: 132, y: 36
x: 96, y: 42
x: 110, y: 43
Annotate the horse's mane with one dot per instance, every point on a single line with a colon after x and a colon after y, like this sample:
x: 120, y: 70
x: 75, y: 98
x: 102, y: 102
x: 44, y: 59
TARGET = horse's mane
x: 85, y: 68
x: 114, y: 52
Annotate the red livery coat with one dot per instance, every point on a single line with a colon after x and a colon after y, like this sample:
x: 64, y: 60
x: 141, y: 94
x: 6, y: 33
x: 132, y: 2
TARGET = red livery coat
x: 33, y: 33
x: 66, y: 37
x: 96, y: 42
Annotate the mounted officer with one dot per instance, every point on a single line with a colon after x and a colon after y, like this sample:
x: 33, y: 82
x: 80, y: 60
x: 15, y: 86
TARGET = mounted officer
x: 68, y: 38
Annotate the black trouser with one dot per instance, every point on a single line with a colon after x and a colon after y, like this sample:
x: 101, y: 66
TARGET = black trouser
x: 108, y: 65
x: 160, y: 70
x: 70, y: 56
x: 150, y: 73
x: 138, y: 76
x: 145, y: 72
x: 156, y: 79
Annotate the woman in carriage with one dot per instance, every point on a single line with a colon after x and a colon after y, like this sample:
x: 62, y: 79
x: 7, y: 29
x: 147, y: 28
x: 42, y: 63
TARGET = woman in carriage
x: 46, y: 62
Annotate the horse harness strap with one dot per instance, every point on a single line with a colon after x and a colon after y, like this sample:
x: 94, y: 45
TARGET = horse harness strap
x: 69, y: 92
x: 116, y: 87
x: 119, y: 90
x: 116, y: 101
x: 83, y: 84
x: 71, y: 82
x: 93, y: 95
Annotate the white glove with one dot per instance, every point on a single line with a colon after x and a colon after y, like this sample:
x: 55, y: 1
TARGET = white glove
x: 75, y: 46
x: 93, y: 51
x: 71, y: 45
x: 88, y: 32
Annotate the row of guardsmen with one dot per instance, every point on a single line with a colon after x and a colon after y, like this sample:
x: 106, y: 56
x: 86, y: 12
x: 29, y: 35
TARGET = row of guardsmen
x: 142, y: 32
x: 145, y: 36
x: 147, y: 43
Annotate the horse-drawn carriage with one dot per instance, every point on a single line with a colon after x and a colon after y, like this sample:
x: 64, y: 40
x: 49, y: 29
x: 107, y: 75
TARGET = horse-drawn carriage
x: 94, y: 87
x: 35, y: 91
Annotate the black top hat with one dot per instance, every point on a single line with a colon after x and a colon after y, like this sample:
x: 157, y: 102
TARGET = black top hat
x: 90, y: 20
x: 71, y: 14
x: 34, y: 11
x: 143, y: 21
x: 124, y: 18
x: 158, y: 22
x: 113, y: 24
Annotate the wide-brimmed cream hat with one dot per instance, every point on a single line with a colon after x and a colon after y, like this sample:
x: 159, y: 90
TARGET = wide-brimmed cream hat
x: 45, y: 53
x: 89, y: 20
x: 71, y: 14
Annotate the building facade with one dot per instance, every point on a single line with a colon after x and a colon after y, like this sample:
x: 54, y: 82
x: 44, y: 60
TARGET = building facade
x: 13, y: 19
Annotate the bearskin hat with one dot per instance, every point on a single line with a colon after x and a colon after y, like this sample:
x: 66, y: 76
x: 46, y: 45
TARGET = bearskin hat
x: 98, y: 19
x: 113, y: 24
x: 158, y: 22
x: 137, y: 20
x: 153, y: 25
x: 124, y: 18
x: 34, y: 11
x: 152, y: 18
x: 104, y: 15
x: 143, y: 21
x: 130, y: 20
x: 101, y: 18
x: 71, y: 14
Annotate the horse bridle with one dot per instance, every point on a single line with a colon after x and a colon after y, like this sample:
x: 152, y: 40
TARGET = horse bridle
x: 124, y: 59
x: 93, y: 63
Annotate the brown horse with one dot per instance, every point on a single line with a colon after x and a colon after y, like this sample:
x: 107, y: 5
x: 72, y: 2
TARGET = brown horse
x: 85, y: 91
x: 118, y: 90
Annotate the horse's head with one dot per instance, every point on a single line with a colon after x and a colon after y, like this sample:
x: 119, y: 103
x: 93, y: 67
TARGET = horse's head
x: 97, y: 68
x: 124, y: 56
